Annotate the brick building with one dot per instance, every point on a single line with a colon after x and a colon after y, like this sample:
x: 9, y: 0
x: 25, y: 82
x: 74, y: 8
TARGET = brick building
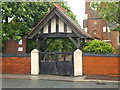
x: 14, y: 47
x: 99, y: 28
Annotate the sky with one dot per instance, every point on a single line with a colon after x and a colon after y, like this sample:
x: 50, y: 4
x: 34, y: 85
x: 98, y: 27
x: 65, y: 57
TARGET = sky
x: 78, y: 8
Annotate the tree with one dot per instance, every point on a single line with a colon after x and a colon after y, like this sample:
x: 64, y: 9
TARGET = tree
x: 109, y: 11
x: 25, y: 16
x: 62, y: 45
x: 97, y: 46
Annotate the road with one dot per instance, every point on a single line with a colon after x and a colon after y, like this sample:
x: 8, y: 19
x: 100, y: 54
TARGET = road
x: 18, y: 83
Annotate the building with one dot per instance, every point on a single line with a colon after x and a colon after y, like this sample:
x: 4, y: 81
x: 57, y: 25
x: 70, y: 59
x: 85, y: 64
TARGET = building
x: 99, y: 28
x: 14, y: 47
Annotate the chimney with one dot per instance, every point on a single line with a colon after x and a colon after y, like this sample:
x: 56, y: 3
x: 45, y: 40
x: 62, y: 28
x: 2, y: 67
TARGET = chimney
x: 87, y: 6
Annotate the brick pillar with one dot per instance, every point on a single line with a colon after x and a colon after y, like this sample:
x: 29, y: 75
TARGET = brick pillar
x: 115, y: 39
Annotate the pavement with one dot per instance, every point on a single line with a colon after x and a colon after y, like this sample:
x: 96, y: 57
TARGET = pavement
x: 95, y: 78
x: 20, y: 83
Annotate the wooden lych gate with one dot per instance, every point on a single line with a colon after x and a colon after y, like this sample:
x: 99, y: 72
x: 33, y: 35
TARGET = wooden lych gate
x: 56, y: 65
x: 57, y: 25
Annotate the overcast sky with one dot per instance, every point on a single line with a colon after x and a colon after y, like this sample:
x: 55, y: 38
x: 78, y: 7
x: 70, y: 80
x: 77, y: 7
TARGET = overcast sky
x: 78, y: 8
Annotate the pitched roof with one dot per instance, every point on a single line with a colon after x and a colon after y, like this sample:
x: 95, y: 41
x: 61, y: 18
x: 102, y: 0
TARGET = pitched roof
x: 112, y: 25
x: 58, y: 10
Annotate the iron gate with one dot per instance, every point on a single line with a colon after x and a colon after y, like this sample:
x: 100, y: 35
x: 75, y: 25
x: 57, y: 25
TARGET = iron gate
x: 56, y: 63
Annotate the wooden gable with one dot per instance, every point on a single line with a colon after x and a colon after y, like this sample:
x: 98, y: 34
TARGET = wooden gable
x: 56, y: 24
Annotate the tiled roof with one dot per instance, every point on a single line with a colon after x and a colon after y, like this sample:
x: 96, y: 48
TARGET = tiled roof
x: 74, y: 23
x: 112, y: 25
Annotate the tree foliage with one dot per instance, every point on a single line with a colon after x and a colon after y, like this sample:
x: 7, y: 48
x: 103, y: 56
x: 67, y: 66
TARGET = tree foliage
x: 109, y: 11
x: 97, y: 46
x: 61, y: 45
x: 24, y: 15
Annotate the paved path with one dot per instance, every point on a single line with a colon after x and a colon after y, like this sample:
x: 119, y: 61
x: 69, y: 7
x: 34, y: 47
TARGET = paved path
x: 42, y: 77
x: 60, y: 78
x: 19, y: 83
x: 103, y: 77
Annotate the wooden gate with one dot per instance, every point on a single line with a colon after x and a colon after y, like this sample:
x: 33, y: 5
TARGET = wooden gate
x: 57, y: 25
x: 56, y: 63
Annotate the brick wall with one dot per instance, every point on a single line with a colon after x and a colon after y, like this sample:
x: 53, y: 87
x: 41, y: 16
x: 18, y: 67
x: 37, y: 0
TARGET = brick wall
x: 93, y: 64
x: 12, y: 46
x: 101, y: 65
x: 12, y: 64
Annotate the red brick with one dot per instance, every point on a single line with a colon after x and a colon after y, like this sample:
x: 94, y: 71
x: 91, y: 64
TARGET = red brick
x: 16, y: 65
x: 100, y: 65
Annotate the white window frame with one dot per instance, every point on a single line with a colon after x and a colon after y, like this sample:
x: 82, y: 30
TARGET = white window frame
x: 20, y: 42
x: 20, y: 48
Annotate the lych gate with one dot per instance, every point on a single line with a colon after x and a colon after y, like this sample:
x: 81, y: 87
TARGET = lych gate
x: 57, y: 25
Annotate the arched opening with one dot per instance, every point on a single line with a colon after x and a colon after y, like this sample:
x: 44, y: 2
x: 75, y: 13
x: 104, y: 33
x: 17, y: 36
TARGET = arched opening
x: 96, y: 34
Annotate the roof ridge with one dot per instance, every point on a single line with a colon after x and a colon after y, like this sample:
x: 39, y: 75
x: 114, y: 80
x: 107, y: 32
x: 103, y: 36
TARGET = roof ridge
x: 75, y: 24
x: 60, y: 7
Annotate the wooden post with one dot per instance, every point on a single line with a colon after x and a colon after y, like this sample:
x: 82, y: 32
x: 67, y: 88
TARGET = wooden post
x: 37, y: 43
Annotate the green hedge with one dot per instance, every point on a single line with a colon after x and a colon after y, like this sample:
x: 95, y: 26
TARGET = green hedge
x: 97, y: 46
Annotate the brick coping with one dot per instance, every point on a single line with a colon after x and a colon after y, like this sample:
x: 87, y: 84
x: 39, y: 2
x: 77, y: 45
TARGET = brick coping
x: 84, y: 54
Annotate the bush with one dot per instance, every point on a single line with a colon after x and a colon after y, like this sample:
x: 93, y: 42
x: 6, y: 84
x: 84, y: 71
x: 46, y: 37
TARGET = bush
x: 97, y: 46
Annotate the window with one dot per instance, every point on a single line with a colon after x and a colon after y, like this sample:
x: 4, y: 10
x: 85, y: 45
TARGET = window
x: 86, y: 29
x: 94, y: 33
x: 20, y: 48
x: 104, y: 29
x: 20, y: 42
x: 95, y: 23
x: 118, y: 40
x: 108, y: 29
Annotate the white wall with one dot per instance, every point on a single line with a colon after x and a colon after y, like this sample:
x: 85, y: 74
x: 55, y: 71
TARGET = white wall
x: 45, y: 28
x: 53, y: 25
x: 61, y: 25
x: 69, y: 29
